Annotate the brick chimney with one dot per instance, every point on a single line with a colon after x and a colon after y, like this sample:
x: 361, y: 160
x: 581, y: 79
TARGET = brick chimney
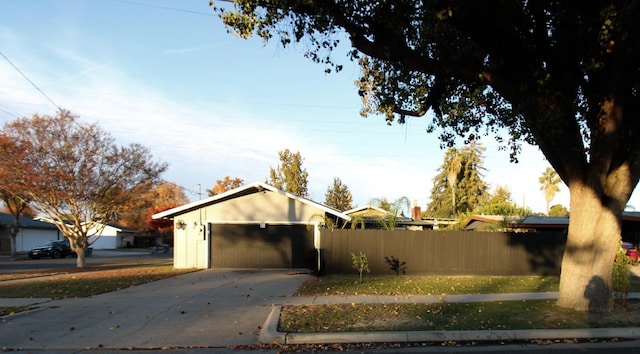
x: 416, y: 213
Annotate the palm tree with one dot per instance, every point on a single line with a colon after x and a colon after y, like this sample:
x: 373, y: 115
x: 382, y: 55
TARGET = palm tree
x: 394, y: 210
x: 549, y: 184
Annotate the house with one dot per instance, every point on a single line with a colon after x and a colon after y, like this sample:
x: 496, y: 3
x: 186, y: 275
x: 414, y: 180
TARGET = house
x: 108, y: 236
x: 375, y: 218
x: 253, y: 226
x: 31, y: 233
x: 516, y: 223
x: 111, y: 236
x: 630, y: 224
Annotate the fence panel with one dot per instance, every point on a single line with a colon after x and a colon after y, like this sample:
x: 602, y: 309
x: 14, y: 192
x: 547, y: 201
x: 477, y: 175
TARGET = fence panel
x: 446, y: 252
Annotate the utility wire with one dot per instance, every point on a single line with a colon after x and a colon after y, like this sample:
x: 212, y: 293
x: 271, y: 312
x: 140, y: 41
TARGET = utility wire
x: 31, y: 82
x: 164, y: 7
x: 9, y: 111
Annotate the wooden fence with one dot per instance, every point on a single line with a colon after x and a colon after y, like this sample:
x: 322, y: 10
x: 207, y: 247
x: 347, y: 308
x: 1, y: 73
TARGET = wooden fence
x: 445, y: 252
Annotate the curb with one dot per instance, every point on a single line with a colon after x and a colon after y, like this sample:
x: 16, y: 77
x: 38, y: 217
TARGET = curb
x: 269, y: 334
x: 6, y: 318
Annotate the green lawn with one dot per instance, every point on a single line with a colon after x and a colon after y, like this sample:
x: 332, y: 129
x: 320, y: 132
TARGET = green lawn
x: 498, y: 315
x: 426, y: 285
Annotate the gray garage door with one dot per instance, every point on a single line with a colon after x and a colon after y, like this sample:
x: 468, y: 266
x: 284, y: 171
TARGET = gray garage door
x: 250, y: 246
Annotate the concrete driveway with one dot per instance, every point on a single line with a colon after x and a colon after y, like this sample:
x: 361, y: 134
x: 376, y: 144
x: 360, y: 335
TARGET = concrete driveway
x: 208, y: 308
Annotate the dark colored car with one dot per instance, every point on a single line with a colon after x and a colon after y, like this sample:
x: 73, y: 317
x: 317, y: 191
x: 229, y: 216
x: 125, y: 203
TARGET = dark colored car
x: 631, y: 251
x: 53, y: 249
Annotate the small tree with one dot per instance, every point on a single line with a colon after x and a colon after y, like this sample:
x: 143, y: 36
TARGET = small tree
x: 360, y: 263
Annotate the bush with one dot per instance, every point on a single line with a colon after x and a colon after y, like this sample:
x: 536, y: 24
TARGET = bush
x: 395, y: 265
x: 621, y: 278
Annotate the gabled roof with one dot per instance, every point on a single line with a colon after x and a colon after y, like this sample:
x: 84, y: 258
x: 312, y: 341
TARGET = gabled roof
x: 367, y: 210
x: 115, y: 226
x: 247, y: 189
x: 26, y: 222
x: 534, y: 222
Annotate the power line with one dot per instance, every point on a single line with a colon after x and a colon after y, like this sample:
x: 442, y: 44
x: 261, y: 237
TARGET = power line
x: 31, y: 82
x: 9, y: 111
x: 164, y: 7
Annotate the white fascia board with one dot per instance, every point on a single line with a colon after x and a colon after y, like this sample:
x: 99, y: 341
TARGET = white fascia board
x: 258, y: 185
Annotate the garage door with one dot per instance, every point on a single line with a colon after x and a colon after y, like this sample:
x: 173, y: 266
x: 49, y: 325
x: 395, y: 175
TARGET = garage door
x: 250, y: 246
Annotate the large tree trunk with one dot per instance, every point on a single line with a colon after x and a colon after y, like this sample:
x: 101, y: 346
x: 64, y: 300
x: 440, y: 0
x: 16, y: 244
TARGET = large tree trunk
x: 81, y: 260
x: 79, y: 245
x: 587, y: 265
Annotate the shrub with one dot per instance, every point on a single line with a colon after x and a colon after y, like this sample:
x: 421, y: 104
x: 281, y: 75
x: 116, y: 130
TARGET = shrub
x: 621, y: 277
x: 396, y: 266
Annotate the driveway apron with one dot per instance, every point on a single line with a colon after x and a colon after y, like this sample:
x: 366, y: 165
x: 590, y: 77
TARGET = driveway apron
x: 208, y: 308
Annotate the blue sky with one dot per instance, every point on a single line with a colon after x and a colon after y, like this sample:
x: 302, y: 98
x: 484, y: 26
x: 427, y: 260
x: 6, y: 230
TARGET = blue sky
x: 167, y: 75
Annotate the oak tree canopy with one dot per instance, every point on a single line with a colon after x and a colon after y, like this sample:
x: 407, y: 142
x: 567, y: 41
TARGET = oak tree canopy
x: 563, y: 75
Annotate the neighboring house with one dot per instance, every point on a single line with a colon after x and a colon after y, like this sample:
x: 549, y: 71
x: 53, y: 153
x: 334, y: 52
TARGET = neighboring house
x: 374, y: 218
x: 516, y: 223
x: 31, y: 233
x: 630, y: 224
x: 253, y: 226
x: 110, y: 237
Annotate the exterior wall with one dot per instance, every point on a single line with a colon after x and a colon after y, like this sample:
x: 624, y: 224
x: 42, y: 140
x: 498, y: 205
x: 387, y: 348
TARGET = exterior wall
x: 446, y: 252
x: 261, y: 207
x: 192, y: 241
x: 107, y: 239
x: 30, y: 238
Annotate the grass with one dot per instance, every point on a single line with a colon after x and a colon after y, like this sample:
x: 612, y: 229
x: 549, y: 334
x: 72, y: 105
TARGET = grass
x: 74, y: 282
x: 500, y: 315
x: 426, y: 285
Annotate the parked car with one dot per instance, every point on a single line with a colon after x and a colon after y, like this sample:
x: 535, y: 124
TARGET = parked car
x: 53, y: 249
x: 631, y: 251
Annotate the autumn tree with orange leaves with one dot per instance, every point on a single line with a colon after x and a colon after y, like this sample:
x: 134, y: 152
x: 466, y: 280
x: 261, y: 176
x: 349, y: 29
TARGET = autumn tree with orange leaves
x: 147, y: 198
x: 160, y: 225
x: 16, y: 201
x: 224, y: 185
x: 73, y: 173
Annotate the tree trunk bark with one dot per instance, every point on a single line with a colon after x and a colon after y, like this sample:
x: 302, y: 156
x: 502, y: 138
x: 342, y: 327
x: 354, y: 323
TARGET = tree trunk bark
x: 81, y: 259
x: 587, y: 264
x: 13, y: 244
